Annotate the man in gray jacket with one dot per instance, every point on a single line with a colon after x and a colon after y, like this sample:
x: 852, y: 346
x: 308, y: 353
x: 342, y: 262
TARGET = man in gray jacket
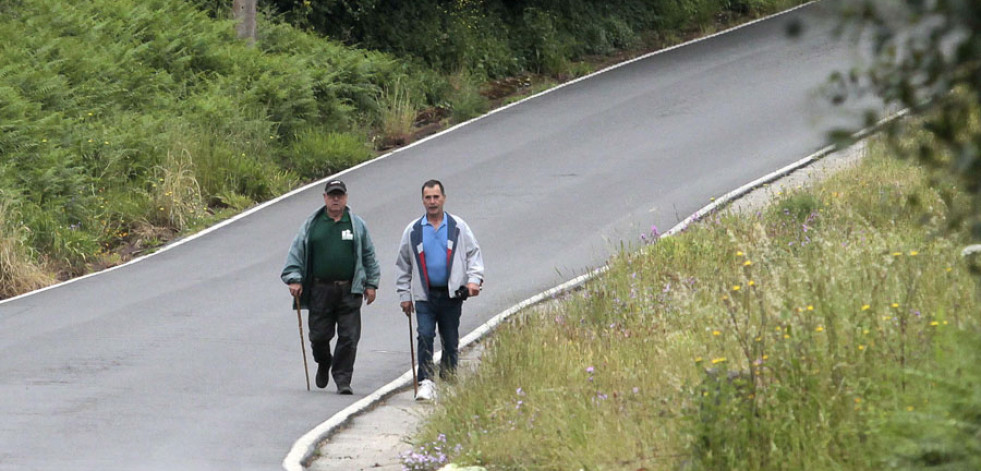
x: 331, y: 268
x: 439, y: 266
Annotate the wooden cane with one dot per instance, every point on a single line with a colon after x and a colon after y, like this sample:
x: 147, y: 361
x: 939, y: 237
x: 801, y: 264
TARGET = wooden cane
x: 303, y: 345
x: 412, y: 348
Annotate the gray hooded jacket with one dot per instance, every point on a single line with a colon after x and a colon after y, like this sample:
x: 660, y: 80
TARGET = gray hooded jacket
x: 466, y: 263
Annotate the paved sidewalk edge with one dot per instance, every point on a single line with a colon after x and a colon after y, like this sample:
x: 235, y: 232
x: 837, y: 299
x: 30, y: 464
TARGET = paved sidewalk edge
x: 304, y: 450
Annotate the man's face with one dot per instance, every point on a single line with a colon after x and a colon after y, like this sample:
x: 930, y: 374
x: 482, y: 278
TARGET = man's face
x: 433, y: 199
x: 335, y: 201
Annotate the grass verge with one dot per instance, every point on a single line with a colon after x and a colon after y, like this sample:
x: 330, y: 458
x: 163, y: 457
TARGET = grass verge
x: 833, y: 330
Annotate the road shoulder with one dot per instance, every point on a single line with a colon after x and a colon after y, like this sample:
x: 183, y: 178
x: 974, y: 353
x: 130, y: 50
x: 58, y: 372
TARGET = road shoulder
x: 376, y: 438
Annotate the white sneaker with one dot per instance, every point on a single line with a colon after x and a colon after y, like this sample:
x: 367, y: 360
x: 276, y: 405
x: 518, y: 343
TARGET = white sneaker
x: 427, y: 391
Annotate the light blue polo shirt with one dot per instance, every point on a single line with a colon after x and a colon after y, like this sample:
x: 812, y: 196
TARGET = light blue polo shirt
x: 434, y: 242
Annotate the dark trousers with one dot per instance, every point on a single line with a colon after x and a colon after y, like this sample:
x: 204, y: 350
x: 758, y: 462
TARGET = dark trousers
x: 333, y: 308
x: 443, y: 312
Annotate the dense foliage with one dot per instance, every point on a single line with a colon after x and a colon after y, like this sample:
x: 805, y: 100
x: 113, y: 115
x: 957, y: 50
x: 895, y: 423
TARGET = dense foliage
x: 124, y: 116
x: 501, y: 37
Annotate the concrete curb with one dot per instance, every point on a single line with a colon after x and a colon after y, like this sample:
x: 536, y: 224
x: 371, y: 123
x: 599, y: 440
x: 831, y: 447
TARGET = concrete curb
x: 304, y: 449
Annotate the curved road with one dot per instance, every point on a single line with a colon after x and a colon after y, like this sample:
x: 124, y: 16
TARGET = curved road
x: 189, y: 360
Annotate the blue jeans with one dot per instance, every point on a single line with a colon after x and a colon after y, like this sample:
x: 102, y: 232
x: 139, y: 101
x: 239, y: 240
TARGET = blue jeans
x: 443, y: 312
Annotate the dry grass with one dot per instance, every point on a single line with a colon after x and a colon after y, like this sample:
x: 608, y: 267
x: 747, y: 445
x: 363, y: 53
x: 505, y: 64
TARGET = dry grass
x: 19, y: 270
x: 792, y: 339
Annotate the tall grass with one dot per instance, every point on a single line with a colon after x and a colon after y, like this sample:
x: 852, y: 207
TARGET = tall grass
x: 176, y: 194
x: 398, y: 116
x: 806, y: 336
x: 19, y: 271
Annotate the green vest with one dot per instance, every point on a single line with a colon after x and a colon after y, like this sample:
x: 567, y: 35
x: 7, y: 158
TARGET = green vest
x: 332, y: 248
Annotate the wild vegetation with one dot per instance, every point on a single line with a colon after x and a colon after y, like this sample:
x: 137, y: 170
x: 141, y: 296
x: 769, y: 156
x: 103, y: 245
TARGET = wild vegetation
x: 125, y: 123
x: 839, y: 329
x: 935, y: 73
x: 836, y: 329
x: 500, y: 38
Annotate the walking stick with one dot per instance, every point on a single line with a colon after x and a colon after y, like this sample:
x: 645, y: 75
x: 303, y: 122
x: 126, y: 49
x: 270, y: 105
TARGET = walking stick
x: 412, y: 348
x: 303, y: 346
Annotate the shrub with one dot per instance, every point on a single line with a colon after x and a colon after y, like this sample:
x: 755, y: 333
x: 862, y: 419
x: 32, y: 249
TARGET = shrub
x: 465, y: 101
x: 541, y: 43
x: 318, y: 153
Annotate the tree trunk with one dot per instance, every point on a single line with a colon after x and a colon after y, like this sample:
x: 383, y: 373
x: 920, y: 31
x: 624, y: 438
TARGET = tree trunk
x: 244, y: 12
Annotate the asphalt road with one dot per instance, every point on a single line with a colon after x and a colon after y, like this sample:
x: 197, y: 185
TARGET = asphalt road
x: 190, y: 359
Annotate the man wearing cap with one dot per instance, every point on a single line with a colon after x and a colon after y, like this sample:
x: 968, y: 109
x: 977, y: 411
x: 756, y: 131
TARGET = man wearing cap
x: 439, y: 266
x: 331, y: 267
